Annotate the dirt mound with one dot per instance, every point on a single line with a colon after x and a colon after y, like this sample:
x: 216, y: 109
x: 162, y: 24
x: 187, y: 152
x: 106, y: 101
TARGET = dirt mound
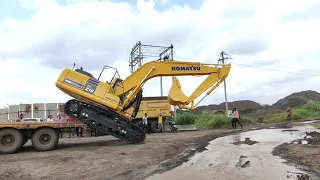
x: 296, y: 99
x: 240, y: 105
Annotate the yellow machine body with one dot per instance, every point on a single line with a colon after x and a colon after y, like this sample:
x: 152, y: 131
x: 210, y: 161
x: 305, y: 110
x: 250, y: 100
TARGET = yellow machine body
x: 87, y: 89
x: 118, y: 94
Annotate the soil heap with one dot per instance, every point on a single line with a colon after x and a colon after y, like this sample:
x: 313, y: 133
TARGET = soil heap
x: 296, y: 99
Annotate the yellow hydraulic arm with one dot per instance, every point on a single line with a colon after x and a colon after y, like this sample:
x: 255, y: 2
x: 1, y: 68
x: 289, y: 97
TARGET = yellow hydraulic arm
x: 133, y: 83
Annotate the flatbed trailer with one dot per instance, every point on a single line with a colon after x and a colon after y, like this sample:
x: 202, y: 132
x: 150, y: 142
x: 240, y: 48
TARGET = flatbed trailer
x: 44, y: 135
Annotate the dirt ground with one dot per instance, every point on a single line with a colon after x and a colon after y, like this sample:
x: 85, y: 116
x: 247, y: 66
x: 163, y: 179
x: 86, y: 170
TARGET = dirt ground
x: 104, y: 157
x: 304, y: 152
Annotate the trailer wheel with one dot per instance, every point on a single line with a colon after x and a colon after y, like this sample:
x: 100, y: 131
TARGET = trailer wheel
x: 154, y: 126
x: 10, y: 140
x: 45, y: 139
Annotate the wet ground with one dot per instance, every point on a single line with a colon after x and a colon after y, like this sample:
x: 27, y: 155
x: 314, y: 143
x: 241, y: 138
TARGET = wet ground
x: 247, y: 155
x: 304, y: 151
x: 105, y: 157
x: 222, y: 154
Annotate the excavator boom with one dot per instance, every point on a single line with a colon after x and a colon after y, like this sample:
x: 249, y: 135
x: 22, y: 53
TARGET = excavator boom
x: 133, y: 83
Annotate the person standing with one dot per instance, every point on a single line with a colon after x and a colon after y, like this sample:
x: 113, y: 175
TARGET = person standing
x: 59, y: 119
x: 70, y: 119
x: 160, y: 123
x: 145, y: 122
x: 20, y: 119
x: 232, y: 119
x: 236, y: 118
x: 289, y: 113
x: 50, y: 118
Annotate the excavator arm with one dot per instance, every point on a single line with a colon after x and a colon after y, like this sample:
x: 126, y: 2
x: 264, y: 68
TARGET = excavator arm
x: 134, y: 83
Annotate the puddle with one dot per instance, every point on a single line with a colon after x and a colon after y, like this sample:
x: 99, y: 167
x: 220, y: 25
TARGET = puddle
x: 249, y: 159
x: 289, y: 130
x: 246, y: 141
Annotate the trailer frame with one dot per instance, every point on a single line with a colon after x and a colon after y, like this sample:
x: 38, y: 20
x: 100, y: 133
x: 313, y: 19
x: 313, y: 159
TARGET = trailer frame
x: 44, y: 135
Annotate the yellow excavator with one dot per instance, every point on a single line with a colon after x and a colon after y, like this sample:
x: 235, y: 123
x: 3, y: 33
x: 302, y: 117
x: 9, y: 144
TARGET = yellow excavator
x: 114, y: 104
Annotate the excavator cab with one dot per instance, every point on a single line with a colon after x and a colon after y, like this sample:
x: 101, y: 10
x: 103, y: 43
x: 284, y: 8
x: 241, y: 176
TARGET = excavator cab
x: 84, y: 72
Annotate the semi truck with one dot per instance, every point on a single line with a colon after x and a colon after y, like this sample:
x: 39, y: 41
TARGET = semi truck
x: 153, y: 106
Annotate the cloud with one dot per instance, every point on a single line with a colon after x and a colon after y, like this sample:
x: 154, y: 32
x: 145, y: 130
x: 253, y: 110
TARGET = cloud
x: 248, y: 44
x: 262, y: 38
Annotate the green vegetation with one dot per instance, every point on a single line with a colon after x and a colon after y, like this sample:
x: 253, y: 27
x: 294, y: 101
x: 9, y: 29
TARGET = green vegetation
x: 308, y: 111
x: 186, y: 118
x: 209, y: 120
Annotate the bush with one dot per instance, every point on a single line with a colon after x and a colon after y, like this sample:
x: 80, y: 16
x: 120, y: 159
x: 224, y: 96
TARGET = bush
x: 185, y: 119
x: 312, y: 106
x: 211, y: 121
x: 298, y: 113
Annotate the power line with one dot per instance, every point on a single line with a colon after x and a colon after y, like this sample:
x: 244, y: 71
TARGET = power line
x: 272, y: 67
x: 280, y: 66
x: 246, y: 65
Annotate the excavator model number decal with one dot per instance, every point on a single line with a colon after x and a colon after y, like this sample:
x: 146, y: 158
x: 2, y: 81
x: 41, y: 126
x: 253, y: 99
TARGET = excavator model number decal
x: 91, y: 85
x: 185, y: 68
x: 78, y: 85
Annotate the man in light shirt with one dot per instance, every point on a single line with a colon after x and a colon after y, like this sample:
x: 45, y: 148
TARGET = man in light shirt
x: 50, y: 118
x: 145, y: 122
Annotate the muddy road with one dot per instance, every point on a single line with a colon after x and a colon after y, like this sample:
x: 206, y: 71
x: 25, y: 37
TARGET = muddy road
x: 102, y: 157
x: 217, y: 154
x: 250, y: 156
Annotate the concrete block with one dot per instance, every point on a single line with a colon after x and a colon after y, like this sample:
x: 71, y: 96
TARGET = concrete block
x: 38, y: 110
x: 3, y: 115
x: 26, y: 109
x: 51, y: 108
x: 61, y: 110
x: 14, y: 112
x: 190, y: 127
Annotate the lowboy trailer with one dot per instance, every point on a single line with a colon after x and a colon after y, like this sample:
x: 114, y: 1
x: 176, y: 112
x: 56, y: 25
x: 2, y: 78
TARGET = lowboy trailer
x: 44, y: 135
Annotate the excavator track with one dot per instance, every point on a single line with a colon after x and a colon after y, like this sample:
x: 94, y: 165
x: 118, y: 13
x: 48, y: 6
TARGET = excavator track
x: 109, y: 122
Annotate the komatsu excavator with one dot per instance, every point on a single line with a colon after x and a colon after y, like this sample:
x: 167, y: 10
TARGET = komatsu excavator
x: 114, y: 104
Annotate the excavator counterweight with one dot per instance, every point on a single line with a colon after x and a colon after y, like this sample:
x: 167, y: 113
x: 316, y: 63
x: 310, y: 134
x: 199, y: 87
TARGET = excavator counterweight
x: 113, y: 105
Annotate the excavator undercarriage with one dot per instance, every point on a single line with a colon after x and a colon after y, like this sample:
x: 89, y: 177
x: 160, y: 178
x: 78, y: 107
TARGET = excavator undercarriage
x: 108, y: 121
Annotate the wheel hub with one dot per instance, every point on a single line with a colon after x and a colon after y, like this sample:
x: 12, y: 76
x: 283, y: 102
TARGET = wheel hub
x: 45, y: 139
x: 7, y: 140
x: 73, y: 107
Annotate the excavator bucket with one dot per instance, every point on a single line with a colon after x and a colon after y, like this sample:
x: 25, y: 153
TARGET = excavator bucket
x: 176, y: 97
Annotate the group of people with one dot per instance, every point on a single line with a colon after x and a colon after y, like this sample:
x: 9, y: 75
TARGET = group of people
x: 235, y: 117
x: 160, y: 123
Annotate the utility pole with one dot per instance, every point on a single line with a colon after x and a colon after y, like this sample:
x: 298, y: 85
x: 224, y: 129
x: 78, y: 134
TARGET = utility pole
x: 222, y: 60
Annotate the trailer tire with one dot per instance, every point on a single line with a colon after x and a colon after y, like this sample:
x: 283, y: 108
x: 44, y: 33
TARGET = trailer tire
x: 10, y: 140
x: 45, y: 139
x: 154, y: 126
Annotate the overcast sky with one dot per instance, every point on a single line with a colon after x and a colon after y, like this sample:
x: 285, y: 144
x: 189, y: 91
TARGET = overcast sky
x: 274, y: 45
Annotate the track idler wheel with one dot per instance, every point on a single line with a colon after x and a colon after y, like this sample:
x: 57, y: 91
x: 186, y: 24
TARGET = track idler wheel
x: 73, y: 108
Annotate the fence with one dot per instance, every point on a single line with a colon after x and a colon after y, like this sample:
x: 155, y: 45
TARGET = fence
x: 37, y: 110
